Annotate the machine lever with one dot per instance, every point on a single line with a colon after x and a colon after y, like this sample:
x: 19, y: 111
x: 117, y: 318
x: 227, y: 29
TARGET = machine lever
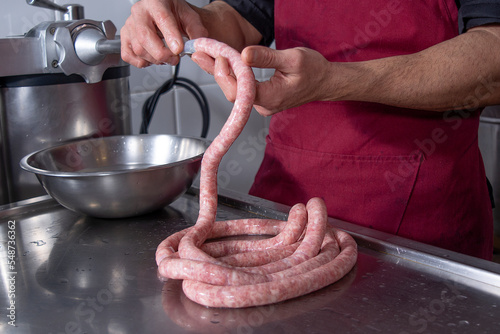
x: 70, y: 12
x: 47, y: 4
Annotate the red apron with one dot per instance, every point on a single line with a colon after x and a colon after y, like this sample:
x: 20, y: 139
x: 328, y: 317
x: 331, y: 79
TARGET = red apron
x: 413, y: 173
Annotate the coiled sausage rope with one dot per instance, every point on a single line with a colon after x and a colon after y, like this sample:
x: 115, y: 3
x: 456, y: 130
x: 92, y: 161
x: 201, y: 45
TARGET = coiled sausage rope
x: 305, y: 253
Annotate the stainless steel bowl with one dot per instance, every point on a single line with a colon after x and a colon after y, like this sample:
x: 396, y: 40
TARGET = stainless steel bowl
x: 119, y: 176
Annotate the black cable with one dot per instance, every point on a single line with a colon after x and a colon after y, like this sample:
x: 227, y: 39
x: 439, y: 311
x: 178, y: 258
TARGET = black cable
x: 149, y: 105
x: 196, y: 91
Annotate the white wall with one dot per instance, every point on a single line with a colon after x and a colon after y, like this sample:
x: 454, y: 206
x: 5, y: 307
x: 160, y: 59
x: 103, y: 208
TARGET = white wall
x: 177, y: 111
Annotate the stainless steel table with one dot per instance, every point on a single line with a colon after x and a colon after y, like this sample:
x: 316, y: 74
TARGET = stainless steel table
x: 73, y: 274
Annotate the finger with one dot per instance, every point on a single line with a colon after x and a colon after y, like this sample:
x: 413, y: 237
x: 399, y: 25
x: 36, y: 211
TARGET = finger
x: 264, y: 57
x: 166, y: 21
x: 263, y: 111
x: 205, y: 62
x: 139, y: 52
x: 264, y: 103
x: 127, y: 54
x: 270, y: 95
x: 225, y: 78
x: 146, y: 42
x: 133, y: 60
x: 173, y: 38
x: 192, y: 23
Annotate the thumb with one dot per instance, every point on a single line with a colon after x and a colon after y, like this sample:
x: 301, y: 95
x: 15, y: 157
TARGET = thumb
x: 262, y: 57
x: 195, y: 28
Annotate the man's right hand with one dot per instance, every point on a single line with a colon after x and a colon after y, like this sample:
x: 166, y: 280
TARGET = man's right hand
x: 153, y: 32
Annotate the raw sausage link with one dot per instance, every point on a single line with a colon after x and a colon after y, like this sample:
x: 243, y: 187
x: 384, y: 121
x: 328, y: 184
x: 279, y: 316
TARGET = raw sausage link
x: 276, y: 291
x: 304, y: 253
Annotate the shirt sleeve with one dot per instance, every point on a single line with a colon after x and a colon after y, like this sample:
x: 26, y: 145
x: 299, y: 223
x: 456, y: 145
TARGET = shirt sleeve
x: 473, y: 13
x: 260, y: 13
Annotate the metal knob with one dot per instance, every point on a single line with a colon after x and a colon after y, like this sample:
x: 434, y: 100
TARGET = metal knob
x: 71, y: 12
x: 87, y: 48
x: 92, y: 46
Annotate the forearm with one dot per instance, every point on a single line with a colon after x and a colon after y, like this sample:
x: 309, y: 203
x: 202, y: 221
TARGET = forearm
x: 225, y: 24
x: 463, y: 72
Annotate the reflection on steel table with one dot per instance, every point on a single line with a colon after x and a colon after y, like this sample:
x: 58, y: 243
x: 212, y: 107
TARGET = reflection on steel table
x: 84, y: 275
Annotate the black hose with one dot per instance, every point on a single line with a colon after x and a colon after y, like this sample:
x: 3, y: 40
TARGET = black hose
x: 196, y: 91
x: 149, y: 105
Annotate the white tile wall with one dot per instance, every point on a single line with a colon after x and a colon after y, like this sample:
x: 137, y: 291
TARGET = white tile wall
x: 177, y: 111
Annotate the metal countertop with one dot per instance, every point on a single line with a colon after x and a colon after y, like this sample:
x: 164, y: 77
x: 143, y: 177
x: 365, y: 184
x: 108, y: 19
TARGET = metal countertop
x: 75, y: 274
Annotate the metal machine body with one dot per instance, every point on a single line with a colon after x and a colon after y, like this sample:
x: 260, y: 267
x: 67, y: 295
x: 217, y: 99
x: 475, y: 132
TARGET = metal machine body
x: 58, y: 85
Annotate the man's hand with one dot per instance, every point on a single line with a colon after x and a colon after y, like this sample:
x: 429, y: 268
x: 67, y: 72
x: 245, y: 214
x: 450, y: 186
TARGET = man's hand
x: 153, y: 21
x: 301, y: 76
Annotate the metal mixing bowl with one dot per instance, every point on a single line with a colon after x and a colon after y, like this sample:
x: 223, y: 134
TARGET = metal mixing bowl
x: 119, y: 176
